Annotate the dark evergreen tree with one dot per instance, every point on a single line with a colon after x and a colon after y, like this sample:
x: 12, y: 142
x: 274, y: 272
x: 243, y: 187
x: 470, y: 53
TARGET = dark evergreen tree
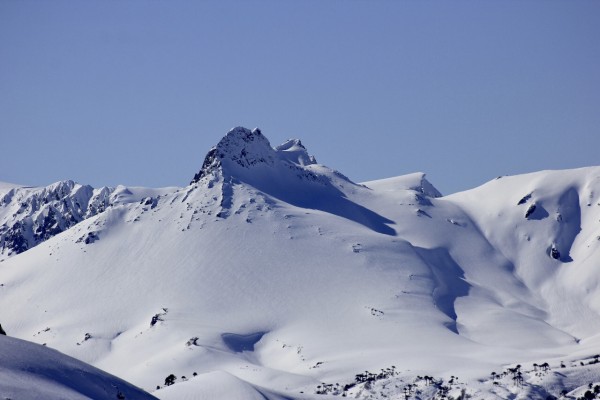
x: 169, y: 380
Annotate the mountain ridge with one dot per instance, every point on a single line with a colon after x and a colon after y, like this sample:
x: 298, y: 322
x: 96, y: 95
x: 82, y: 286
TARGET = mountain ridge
x: 31, y: 215
x: 286, y: 283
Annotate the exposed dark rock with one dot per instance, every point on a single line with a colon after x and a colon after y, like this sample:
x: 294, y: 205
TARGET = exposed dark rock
x: 149, y: 201
x: 89, y: 238
x: 158, y: 317
x: 525, y: 199
x: 155, y: 319
x: 14, y: 238
x: 210, y: 162
x: 554, y: 253
x: 41, y: 213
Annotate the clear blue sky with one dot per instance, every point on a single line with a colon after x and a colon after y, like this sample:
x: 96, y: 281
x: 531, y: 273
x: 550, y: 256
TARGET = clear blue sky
x: 136, y: 92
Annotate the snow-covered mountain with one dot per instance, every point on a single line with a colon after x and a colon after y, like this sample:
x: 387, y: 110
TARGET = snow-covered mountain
x: 273, y: 276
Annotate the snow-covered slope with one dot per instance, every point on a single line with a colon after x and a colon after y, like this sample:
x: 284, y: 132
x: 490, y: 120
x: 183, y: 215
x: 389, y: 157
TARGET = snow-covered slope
x: 275, y: 276
x: 6, y: 186
x: 547, y: 225
x: 31, y: 371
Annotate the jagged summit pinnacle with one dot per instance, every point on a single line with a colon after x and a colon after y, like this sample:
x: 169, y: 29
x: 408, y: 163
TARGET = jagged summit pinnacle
x: 245, y: 148
x: 241, y: 145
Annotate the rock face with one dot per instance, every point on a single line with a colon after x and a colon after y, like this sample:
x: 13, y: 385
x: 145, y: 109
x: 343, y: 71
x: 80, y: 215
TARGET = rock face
x: 242, y: 150
x: 240, y: 146
x: 30, y: 216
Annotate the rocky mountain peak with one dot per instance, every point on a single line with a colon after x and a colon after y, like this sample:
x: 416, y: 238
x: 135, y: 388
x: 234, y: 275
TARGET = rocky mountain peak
x: 239, y: 147
x: 242, y: 149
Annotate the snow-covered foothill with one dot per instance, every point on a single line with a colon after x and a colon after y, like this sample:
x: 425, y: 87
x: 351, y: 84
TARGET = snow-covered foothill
x: 31, y: 371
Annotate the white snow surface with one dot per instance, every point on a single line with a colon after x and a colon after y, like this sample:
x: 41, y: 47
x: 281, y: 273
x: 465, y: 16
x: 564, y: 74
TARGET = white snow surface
x: 6, y: 186
x: 272, y: 276
x: 31, y: 371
